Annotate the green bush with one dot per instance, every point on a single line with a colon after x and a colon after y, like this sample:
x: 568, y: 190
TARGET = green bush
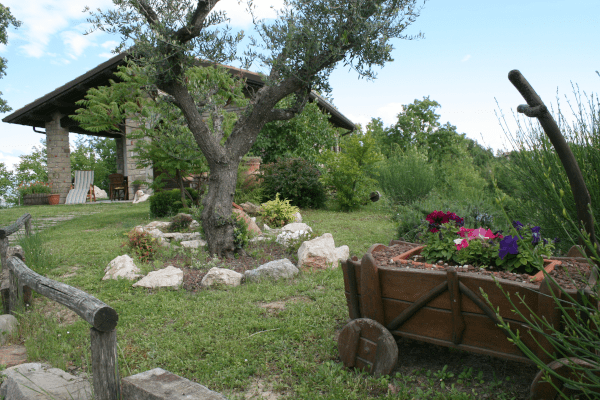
x: 248, y: 187
x: 295, y: 179
x: 406, y: 177
x: 168, y: 202
x: 535, y: 163
x: 278, y: 212
x: 241, y: 234
x: 142, y: 244
x: 347, y: 173
x: 180, y: 222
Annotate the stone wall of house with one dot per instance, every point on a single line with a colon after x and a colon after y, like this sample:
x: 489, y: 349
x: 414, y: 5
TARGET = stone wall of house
x: 59, y: 161
x: 132, y: 170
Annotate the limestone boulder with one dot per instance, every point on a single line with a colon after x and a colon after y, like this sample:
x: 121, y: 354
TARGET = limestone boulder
x: 297, y: 226
x: 252, y: 227
x: 177, y: 236
x: 122, y: 267
x: 286, y: 237
x: 166, y: 277
x: 221, y: 276
x: 8, y: 327
x: 193, y: 244
x: 297, y: 217
x: 279, y: 269
x: 99, y: 193
x: 194, y: 225
x: 321, y: 253
x: 158, y: 225
x: 251, y: 208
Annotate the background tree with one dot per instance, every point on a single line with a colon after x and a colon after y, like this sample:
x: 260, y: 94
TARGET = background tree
x: 6, y: 19
x: 7, y: 184
x: 32, y: 167
x: 303, y: 136
x: 96, y: 154
x: 299, y: 49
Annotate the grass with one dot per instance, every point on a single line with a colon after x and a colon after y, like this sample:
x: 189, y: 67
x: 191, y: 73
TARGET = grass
x: 226, y: 338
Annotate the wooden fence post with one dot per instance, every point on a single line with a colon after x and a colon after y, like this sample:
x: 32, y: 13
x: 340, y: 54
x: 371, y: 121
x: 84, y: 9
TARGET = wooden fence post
x: 4, y: 274
x: 105, y: 366
x: 28, y: 227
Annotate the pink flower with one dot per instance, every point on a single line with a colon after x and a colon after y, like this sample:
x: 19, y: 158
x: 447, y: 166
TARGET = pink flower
x: 461, y: 244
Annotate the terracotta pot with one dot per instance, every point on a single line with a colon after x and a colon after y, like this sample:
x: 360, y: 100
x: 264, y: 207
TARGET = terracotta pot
x: 54, y: 199
x: 549, y: 265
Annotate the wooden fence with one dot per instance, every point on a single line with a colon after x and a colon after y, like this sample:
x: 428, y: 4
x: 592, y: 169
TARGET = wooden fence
x: 101, y: 317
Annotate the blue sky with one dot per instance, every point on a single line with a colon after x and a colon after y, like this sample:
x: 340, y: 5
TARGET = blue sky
x: 462, y: 63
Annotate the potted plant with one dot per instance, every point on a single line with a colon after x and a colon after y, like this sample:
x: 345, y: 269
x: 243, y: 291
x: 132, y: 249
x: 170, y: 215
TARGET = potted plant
x: 34, y: 193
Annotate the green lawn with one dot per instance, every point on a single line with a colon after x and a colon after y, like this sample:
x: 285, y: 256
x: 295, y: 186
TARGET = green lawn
x: 227, y: 339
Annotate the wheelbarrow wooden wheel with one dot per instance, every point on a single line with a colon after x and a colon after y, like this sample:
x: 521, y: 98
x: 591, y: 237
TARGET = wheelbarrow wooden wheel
x: 367, y: 345
x: 568, y: 368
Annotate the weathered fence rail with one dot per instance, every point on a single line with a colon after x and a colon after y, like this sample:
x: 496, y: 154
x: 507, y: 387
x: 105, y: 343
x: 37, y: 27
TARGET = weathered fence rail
x: 102, y: 318
x: 23, y: 220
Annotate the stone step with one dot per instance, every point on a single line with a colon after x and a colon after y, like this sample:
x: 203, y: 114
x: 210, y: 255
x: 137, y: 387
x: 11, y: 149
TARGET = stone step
x: 158, y: 384
x: 35, y: 381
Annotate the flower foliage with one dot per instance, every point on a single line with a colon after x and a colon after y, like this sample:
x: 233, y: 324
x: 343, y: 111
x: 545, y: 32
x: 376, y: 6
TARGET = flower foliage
x: 449, y: 241
x: 142, y: 244
x: 34, y: 187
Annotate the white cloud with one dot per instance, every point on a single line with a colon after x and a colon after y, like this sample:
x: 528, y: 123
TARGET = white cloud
x: 238, y: 11
x: 389, y: 113
x: 76, y: 42
x: 110, y: 44
x: 466, y: 58
x: 106, y: 56
x: 46, y: 18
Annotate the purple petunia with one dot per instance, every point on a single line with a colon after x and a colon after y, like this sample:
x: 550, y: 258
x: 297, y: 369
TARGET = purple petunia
x: 517, y: 225
x: 508, y: 245
x: 535, y: 233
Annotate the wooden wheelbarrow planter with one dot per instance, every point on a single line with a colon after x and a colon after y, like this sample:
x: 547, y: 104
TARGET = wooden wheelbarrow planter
x: 440, y: 307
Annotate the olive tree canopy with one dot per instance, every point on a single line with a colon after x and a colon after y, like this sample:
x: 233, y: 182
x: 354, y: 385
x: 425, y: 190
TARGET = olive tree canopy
x: 297, y: 51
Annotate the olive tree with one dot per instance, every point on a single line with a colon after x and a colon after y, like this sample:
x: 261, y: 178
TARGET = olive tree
x: 299, y: 49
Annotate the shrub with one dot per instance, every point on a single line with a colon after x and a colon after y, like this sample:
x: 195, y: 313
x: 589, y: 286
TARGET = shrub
x: 168, y: 202
x: 406, y: 177
x: 180, y: 222
x: 241, y: 234
x: 347, y: 172
x: 248, y: 187
x: 295, y: 179
x: 142, y: 244
x: 278, y: 212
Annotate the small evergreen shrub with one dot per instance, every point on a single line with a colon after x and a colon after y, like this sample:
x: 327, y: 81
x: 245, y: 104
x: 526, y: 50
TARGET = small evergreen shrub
x: 180, y: 222
x: 294, y: 179
x: 278, y: 212
x: 168, y: 202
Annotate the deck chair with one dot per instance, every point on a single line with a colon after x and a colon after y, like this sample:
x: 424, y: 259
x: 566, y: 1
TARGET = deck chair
x: 82, y: 188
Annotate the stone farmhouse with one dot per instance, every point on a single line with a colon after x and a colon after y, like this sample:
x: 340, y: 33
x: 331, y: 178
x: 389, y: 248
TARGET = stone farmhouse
x: 49, y: 115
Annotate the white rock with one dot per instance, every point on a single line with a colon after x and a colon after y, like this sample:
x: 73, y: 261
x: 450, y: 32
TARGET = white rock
x: 166, y: 277
x: 193, y: 244
x: 286, y: 236
x: 297, y: 226
x: 275, y: 269
x: 8, y: 326
x: 194, y: 224
x: 177, y: 236
x: 221, y: 276
x: 122, y: 267
x: 266, y: 227
x: 297, y: 217
x: 155, y: 233
x: 99, y: 193
x: 321, y: 253
x: 158, y: 225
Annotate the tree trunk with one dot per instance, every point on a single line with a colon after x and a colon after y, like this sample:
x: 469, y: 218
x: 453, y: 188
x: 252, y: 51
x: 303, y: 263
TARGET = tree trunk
x: 216, y: 215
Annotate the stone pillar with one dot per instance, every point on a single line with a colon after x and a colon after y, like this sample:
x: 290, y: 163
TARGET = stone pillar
x: 132, y: 170
x: 59, y: 161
